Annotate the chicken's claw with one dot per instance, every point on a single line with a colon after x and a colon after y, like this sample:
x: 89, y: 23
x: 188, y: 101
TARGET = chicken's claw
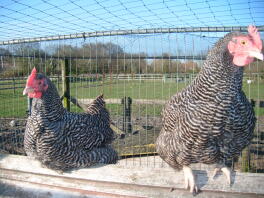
x: 190, y: 180
x: 226, y: 171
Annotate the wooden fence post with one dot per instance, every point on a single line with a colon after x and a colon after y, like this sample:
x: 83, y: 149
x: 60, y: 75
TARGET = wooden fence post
x: 65, y: 83
x: 245, y: 160
x: 127, y: 101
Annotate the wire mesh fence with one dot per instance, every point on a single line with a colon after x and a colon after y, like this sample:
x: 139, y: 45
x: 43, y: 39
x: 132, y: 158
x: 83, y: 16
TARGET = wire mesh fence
x: 136, y: 72
x: 27, y: 19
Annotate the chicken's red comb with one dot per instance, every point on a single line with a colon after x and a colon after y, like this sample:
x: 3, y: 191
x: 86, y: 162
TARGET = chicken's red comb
x: 32, y: 76
x: 253, y: 32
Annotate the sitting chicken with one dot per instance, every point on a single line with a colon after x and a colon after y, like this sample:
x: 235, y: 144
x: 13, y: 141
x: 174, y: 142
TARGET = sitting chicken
x: 63, y: 140
x: 211, y: 121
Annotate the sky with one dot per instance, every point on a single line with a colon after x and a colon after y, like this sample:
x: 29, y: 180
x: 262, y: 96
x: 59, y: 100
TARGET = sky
x: 40, y: 18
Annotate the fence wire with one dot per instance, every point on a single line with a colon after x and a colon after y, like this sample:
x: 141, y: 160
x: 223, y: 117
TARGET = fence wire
x: 147, y: 68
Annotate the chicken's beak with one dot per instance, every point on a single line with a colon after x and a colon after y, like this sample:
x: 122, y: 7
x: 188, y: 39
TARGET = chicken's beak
x: 28, y: 90
x: 256, y: 54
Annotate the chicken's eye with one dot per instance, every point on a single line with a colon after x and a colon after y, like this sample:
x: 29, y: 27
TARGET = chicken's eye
x: 243, y: 42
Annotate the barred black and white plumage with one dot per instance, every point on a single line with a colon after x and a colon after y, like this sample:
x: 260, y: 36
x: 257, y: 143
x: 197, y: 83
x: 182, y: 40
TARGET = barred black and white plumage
x: 63, y: 140
x: 211, y: 120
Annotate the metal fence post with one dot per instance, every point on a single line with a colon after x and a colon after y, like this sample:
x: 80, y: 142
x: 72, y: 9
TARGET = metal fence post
x: 65, y: 83
x: 127, y: 101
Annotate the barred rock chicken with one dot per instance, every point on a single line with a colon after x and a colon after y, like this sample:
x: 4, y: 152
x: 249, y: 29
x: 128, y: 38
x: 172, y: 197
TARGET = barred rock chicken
x: 63, y: 140
x: 211, y: 120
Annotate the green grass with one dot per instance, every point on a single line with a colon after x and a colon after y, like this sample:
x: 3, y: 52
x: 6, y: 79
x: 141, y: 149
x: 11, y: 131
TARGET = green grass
x: 118, y: 89
x: 14, y: 104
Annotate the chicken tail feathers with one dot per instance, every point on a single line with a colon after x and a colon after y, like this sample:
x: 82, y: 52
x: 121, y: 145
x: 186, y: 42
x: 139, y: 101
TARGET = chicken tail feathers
x: 97, y: 105
x: 100, y: 99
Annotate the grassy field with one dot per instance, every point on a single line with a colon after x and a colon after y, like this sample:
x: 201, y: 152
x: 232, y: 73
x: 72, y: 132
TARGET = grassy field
x: 14, y: 104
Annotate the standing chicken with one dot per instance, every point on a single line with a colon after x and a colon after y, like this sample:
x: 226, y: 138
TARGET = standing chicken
x: 211, y: 120
x: 63, y: 140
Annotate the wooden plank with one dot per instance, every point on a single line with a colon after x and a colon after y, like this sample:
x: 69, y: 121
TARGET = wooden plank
x: 144, y: 177
x: 117, y: 130
x: 26, y: 189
